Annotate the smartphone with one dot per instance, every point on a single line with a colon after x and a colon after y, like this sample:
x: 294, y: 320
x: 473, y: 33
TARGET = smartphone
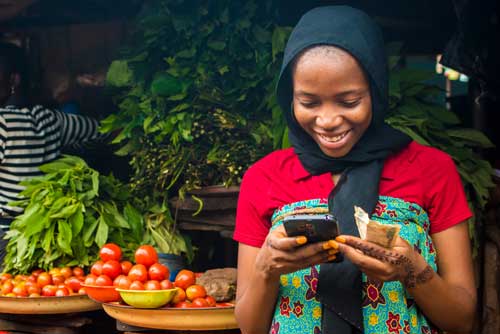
x: 316, y: 227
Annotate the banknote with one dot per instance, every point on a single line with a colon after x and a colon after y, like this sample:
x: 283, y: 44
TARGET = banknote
x: 384, y: 235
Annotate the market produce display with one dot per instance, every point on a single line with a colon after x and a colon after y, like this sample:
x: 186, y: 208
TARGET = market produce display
x: 69, y: 213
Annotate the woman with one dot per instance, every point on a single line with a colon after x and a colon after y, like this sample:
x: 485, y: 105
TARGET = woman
x: 333, y: 89
x: 29, y: 135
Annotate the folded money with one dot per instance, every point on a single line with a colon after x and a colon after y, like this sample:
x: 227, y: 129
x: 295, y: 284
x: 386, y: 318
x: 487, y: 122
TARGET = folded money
x: 382, y: 234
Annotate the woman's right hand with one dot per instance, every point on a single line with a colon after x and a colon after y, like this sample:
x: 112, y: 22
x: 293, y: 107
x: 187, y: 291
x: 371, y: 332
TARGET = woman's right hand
x: 281, y: 254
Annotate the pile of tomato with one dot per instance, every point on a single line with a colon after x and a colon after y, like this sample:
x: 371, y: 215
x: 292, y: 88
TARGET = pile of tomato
x: 146, y: 273
x: 56, y: 282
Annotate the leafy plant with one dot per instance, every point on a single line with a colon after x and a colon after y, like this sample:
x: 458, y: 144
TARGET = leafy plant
x: 70, y: 212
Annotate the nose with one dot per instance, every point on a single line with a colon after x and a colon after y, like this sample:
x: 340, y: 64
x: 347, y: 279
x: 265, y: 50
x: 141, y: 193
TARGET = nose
x: 329, y: 117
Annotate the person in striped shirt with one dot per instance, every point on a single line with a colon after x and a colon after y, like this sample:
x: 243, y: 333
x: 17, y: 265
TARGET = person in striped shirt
x: 30, y: 135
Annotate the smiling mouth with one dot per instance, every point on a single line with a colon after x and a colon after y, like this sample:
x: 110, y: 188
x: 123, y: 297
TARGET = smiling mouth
x: 334, y: 139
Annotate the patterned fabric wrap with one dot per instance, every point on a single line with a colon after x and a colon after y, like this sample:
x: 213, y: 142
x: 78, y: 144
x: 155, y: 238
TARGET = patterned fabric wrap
x: 387, y: 307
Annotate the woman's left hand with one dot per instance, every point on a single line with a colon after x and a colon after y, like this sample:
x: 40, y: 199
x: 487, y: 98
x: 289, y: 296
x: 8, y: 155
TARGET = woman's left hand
x: 400, y: 263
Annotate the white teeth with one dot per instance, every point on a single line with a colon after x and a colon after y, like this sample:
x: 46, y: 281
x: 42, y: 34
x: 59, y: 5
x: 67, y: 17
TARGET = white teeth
x: 334, y: 139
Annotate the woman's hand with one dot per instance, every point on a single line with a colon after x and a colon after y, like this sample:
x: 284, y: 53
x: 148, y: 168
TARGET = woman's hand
x: 400, y: 263
x: 281, y: 254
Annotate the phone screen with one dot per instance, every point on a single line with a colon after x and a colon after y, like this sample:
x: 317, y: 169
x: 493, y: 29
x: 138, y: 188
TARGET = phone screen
x: 315, y: 227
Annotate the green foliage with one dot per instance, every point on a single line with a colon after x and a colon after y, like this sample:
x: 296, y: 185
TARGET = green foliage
x: 70, y: 212
x: 196, y: 94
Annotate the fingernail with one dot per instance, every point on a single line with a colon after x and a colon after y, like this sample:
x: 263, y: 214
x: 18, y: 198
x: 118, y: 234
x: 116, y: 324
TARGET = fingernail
x: 331, y: 257
x: 340, y: 239
x: 332, y: 252
x: 301, y: 240
x: 327, y: 245
x: 333, y: 244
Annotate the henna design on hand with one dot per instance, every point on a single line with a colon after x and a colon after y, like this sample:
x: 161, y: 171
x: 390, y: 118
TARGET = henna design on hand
x: 409, y: 278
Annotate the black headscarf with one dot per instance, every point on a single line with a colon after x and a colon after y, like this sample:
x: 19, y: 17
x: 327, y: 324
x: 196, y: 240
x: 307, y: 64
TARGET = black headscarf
x: 339, y: 287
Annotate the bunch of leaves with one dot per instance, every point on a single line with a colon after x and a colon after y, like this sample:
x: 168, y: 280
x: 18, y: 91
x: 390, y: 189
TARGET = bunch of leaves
x: 416, y: 111
x: 69, y: 213
x: 195, y: 88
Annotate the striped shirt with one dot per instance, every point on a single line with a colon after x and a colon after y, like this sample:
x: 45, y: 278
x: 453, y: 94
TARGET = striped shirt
x: 30, y: 138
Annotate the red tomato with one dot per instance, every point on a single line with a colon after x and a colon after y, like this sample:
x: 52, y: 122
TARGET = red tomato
x: 44, y: 279
x: 211, y: 301
x: 152, y: 285
x: 96, y: 268
x: 82, y: 291
x: 7, y: 287
x: 122, y: 282
x: 180, y: 296
x: 158, y: 272
x: 62, y: 291
x: 184, y: 304
x: 146, y: 255
x: 110, y: 251
x: 20, y: 290
x: 126, y: 265
x: 166, y: 284
x: 36, y: 272
x: 90, y: 279
x: 73, y: 283
x: 112, y: 269
x: 4, y: 277
x: 78, y: 272
x: 138, y: 272
x: 58, y: 279
x: 195, y: 291
x: 49, y: 290
x: 103, y: 280
x: 66, y: 272
x: 199, y: 302
x: 184, y: 279
x: 136, y: 285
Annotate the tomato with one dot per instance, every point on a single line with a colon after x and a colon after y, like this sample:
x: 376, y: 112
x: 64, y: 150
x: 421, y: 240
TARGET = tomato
x: 36, y: 272
x: 78, y: 272
x: 195, y: 291
x: 210, y: 301
x: 146, y: 255
x: 199, y: 302
x: 138, y: 272
x: 20, y: 290
x: 166, y: 284
x: 96, y: 268
x: 152, y: 285
x: 180, y: 296
x: 103, y: 280
x: 112, y: 268
x: 55, y: 271
x: 66, y: 272
x: 126, y: 265
x: 183, y: 304
x: 44, y: 279
x: 158, y: 272
x: 4, y: 277
x: 82, y: 291
x: 184, y: 279
x: 73, y: 283
x: 122, y: 282
x: 110, y: 251
x: 62, y: 291
x: 58, y: 279
x: 7, y: 287
x: 32, y: 295
x: 31, y: 278
x: 136, y: 285
x: 49, y: 290
x: 90, y: 279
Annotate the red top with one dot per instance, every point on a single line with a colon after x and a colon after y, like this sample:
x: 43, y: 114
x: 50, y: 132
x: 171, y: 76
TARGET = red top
x: 419, y: 174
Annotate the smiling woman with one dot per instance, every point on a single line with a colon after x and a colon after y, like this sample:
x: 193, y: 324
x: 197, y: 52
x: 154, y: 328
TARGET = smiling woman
x: 331, y: 98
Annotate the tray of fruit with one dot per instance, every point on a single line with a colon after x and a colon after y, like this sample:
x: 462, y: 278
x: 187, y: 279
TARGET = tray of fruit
x: 56, y: 291
x: 141, y: 294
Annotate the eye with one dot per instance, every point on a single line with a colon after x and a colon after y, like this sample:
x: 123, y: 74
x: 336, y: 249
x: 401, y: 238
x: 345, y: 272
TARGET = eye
x: 309, y: 104
x: 350, y: 103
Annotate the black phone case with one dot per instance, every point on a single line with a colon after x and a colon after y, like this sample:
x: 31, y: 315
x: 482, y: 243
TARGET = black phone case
x: 314, y: 227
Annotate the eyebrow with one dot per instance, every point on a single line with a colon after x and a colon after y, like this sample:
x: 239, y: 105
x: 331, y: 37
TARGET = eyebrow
x: 342, y: 94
